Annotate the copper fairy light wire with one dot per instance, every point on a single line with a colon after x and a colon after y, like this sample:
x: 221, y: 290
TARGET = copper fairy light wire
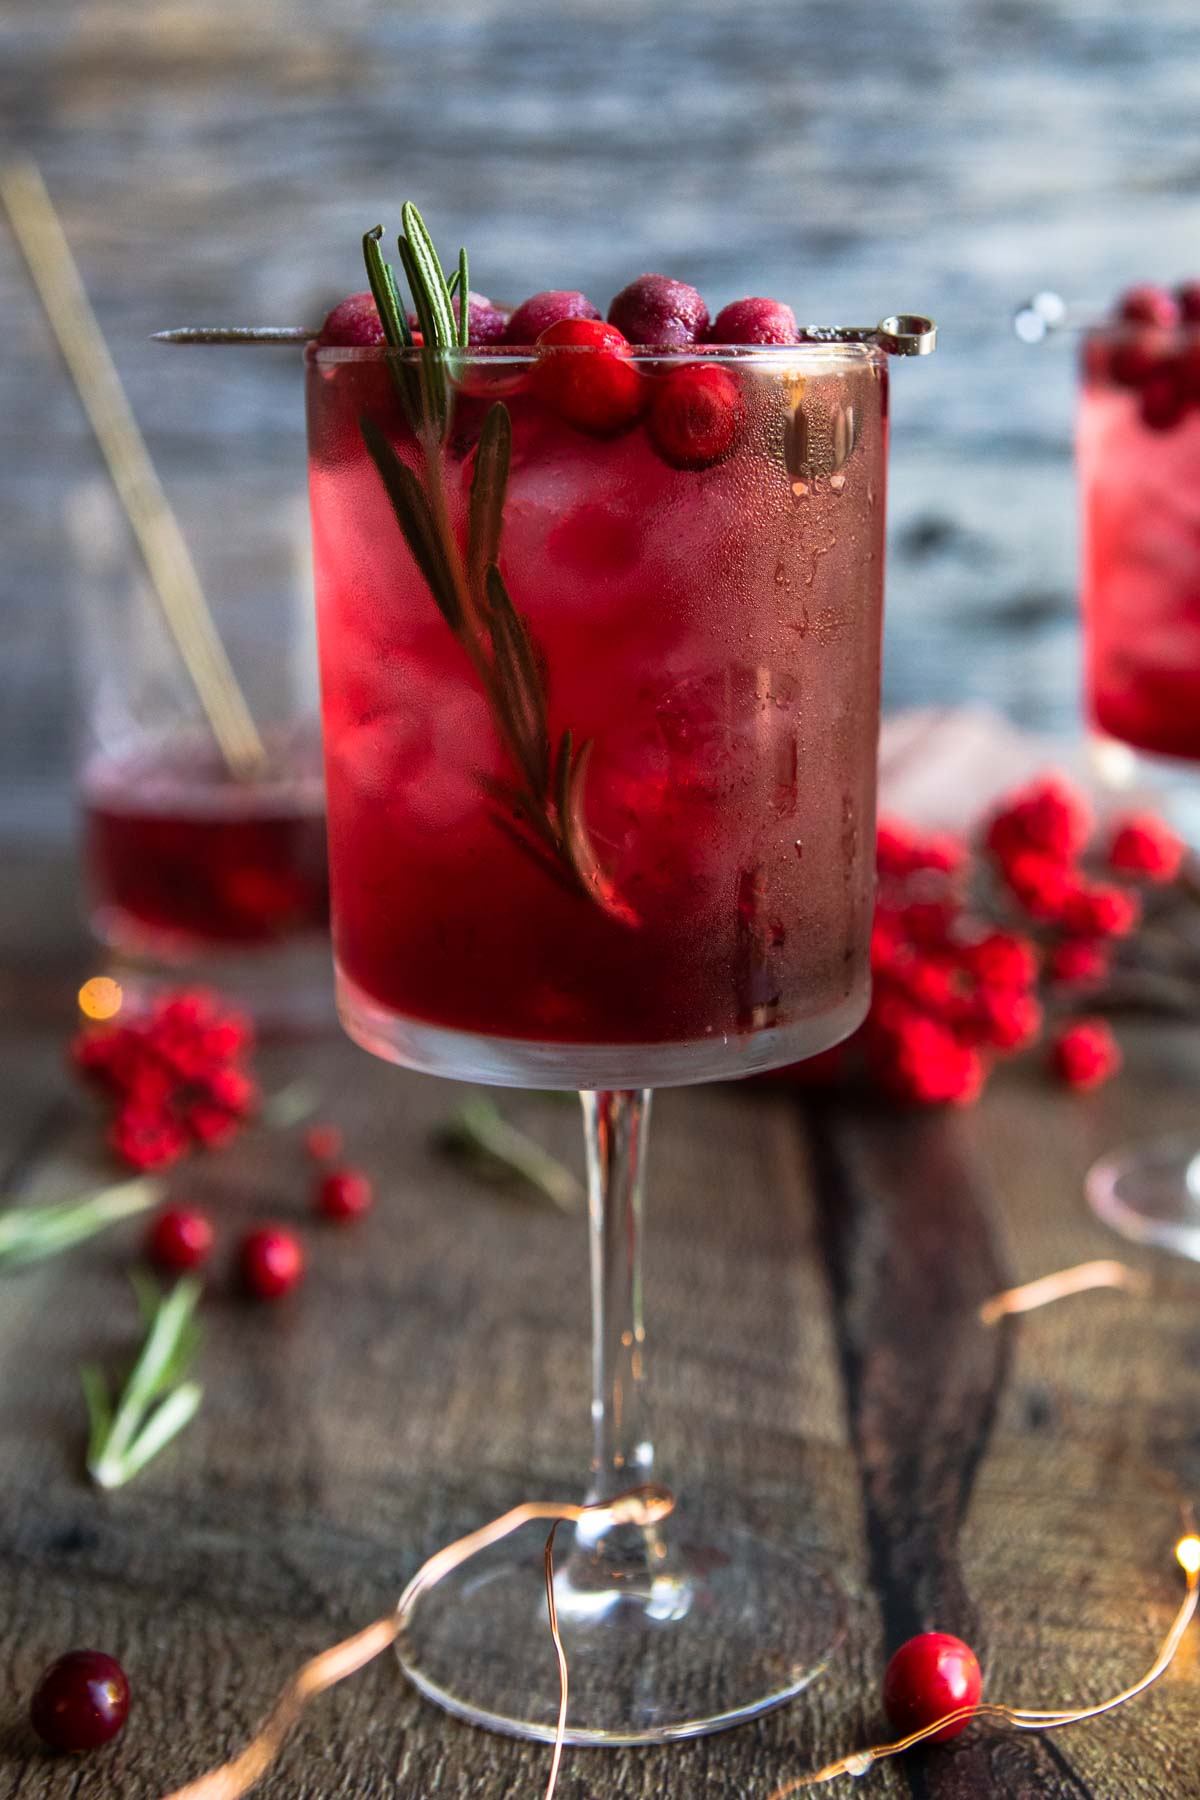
x: 859, y: 1762
x: 645, y: 1505
x: 1078, y: 1279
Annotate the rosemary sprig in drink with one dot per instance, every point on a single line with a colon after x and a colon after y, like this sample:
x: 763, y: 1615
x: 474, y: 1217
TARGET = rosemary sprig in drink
x: 542, y: 806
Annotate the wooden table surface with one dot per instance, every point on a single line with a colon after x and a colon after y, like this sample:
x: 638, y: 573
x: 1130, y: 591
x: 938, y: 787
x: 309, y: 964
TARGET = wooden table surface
x: 814, y: 1274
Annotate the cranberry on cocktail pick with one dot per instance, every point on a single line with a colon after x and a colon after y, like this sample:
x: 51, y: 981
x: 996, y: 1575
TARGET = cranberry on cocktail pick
x: 354, y: 322
x: 1149, y: 305
x: 930, y: 1676
x: 1188, y: 297
x: 538, y: 313
x: 695, y: 416
x: 601, y: 392
x: 658, y: 312
x: 81, y: 1701
x: 754, y: 321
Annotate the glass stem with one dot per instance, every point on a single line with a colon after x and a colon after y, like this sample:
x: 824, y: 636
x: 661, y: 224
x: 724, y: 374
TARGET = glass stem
x: 616, y: 1125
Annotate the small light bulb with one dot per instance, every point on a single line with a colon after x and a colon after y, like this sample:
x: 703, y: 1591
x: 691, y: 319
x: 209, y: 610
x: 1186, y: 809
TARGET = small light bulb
x: 100, y: 998
x: 1188, y: 1552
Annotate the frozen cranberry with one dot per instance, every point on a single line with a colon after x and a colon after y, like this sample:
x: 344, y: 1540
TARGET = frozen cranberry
x: 180, y: 1238
x: 1085, y: 1054
x: 654, y: 310
x: 345, y: 1194
x: 585, y: 375
x: 932, y: 1675
x: 487, y: 322
x: 695, y: 416
x: 81, y: 1701
x: 1139, y: 357
x: 354, y: 321
x: 1149, y: 305
x: 323, y: 1142
x: 271, y: 1261
x: 1162, y: 401
x: 536, y: 315
x: 754, y: 321
x: 1188, y: 296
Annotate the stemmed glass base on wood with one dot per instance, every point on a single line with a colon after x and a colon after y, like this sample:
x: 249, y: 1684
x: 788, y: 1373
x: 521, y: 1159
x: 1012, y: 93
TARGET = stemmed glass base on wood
x: 669, y: 1631
x: 1150, y: 1193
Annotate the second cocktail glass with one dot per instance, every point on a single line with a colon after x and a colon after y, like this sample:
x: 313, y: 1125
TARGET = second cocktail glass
x: 600, y: 719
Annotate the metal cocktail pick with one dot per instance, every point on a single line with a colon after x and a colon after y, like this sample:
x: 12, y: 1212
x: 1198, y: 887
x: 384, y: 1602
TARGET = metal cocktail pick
x: 902, y: 334
x: 168, y: 561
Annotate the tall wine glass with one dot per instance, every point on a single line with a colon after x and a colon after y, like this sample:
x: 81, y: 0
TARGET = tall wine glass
x: 1139, y: 470
x: 600, y: 720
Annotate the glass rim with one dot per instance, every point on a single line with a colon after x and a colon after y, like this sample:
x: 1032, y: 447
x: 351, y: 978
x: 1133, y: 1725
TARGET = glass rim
x: 773, y: 356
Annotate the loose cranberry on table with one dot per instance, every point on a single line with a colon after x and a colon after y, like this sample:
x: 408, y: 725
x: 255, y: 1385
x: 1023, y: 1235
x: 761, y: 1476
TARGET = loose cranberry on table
x: 538, y: 313
x: 345, y: 1194
x: 695, y: 416
x: 601, y: 392
x: 179, y: 1238
x: 654, y: 310
x: 754, y: 321
x: 1085, y: 1054
x: 323, y: 1142
x: 930, y: 1676
x: 81, y: 1701
x: 271, y: 1260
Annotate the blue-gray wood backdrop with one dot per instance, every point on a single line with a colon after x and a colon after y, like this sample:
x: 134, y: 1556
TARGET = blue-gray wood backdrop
x: 217, y: 159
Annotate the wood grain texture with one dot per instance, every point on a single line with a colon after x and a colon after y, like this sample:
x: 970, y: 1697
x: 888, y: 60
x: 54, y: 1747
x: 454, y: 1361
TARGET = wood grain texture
x: 214, y: 160
x: 815, y: 1360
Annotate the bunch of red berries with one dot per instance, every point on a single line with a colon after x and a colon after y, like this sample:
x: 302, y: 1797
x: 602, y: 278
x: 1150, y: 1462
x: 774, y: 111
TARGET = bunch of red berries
x: 175, y: 1076
x: 968, y: 954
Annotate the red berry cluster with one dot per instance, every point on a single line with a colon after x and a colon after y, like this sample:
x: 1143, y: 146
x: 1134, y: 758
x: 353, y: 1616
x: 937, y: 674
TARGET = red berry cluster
x: 271, y: 1259
x: 1156, y: 353
x: 969, y: 953
x: 175, y: 1076
x: 694, y: 414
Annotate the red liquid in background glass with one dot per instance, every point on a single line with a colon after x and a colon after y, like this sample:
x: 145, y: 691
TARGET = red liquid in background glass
x: 1141, y: 583
x: 714, y: 632
x: 181, y: 857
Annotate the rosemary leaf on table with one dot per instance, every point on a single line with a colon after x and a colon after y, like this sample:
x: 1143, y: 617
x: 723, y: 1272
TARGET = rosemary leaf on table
x: 29, y: 1233
x: 481, y: 1136
x: 128, y: 1428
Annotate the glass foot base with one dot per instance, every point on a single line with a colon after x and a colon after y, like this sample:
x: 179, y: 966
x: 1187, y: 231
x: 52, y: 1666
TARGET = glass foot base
x: 724, y: 1626
x: 1150, y: 1193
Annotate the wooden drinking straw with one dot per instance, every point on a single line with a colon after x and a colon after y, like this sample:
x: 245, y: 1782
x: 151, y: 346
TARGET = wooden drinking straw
x: 168, y: 561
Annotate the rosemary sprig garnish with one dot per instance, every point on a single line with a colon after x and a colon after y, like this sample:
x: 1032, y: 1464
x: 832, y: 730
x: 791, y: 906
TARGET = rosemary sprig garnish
x: 156, y: 1401
x: 542, y: 807
x: 479, y: 1134
x: 29, y: 1233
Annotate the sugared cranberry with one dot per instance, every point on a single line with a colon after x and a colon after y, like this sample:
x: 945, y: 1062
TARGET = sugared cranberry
x: 1149, y: 305
x: 487, y: 322
x: 354, y: 321
x: 695, y: 416
x: 1188, y: 297
x: 323, y: 1142
x: 1085, y: 1054
x: 345, y: 1194
x: 81, y: 1701
x: 271, y: 1261
x: 654, y: 310
x: 180, y: 1238
x: 538, y: 313
x: 585, y: 375
x: 1162, y: 402
x: 1143, y: 845
x: 932, y: 1675
x: 754, y: 321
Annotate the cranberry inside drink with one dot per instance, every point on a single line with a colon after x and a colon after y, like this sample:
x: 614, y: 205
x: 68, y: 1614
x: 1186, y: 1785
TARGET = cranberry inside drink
x: 181, y: 857
x: 697, y: 571
x: 1139, y: 464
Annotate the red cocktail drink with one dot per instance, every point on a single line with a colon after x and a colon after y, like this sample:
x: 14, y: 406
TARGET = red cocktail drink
x: 696, y: 578
x: 1139, y: 464
x: 183, y: 859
